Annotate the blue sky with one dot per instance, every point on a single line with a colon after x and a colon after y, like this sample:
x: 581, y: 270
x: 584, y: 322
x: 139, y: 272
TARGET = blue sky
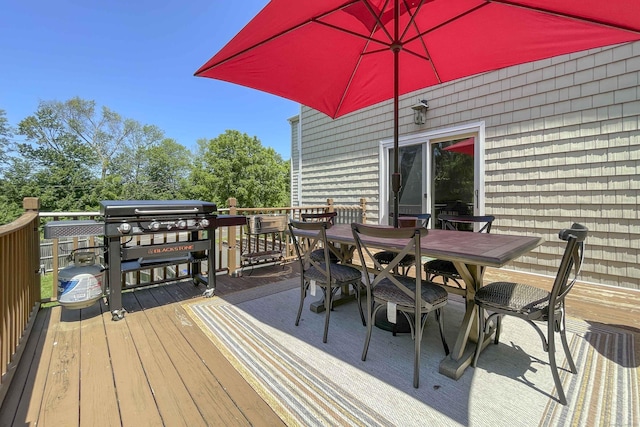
x: 136, y: 57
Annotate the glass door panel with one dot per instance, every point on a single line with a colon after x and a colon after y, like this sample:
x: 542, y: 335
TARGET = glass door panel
x: 412, y: 191
x: 452, y: 179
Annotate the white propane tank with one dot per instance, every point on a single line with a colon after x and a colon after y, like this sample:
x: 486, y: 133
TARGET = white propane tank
x: 80, y: 284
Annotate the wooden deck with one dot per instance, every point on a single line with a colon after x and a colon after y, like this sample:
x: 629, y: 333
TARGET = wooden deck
x: 156, y: 367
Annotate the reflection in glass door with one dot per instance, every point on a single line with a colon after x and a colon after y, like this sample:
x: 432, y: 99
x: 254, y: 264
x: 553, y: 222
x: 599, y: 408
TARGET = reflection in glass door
x: 411, y: 193
x: 452, y: 178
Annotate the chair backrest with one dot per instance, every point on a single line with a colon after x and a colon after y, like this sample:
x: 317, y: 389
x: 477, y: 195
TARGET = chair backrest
x: 305, y: 245
x: 464, y: 222
x: 315, y: 217
x: 571, y: 260
x: 405, y: 240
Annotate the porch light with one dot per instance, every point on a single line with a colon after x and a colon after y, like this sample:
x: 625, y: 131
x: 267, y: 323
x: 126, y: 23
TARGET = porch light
x: 420, y: 112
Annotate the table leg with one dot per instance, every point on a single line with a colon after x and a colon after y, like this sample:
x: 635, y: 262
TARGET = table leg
x: 344, y: 297
x: 457, y: 361
x: 345, y: 253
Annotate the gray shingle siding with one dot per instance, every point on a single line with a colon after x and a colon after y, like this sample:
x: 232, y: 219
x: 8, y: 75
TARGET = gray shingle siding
x: 562, y: 144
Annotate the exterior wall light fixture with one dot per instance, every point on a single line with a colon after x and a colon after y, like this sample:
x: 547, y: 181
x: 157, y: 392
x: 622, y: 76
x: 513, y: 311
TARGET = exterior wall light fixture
x: 420, y: 112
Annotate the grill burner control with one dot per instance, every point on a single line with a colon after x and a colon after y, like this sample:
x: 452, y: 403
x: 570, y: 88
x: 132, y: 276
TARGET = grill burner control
x: 159, y: 225
x: 125, y: 228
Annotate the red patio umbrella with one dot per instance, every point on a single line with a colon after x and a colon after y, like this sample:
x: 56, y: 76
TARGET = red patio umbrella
x: 465, y: 147
x: 338, y: 56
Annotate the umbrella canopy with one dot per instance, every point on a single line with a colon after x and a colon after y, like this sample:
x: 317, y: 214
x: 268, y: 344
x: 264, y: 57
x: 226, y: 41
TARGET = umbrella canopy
x: 338, y: 56
x: 465, y: 147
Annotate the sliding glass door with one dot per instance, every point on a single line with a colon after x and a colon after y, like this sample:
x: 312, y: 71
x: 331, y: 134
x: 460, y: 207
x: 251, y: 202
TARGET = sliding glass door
x: 442, y: 172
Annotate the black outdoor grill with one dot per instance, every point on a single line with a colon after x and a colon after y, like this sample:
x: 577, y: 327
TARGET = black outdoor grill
x: 130, y: 244
x: 130, y: 218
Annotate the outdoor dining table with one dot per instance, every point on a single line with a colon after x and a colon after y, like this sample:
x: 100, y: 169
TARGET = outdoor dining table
x: 470, y: 253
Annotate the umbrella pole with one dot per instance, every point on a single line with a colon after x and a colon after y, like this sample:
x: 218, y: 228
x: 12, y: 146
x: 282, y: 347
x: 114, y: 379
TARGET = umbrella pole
x: 396, y: 177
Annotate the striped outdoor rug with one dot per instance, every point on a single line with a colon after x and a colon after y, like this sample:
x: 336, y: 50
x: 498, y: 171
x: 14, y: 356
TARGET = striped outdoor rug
x: 309, y: 383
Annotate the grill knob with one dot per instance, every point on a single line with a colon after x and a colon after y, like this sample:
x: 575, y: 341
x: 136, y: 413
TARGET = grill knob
x: 182, y: 224
x: 124, y: 228
x: 204, y: 223
x: 155, y: 226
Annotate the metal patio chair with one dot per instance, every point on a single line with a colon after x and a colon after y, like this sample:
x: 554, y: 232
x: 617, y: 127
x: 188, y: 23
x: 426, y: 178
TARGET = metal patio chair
x: 330, y: 217
x: 534, y: 304
x: 399, y: 293
x: 385, y: 257
x: 445, y: 269
x: 328, y: 276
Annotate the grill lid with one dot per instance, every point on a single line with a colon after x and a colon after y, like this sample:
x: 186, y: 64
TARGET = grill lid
x: 141, y: 208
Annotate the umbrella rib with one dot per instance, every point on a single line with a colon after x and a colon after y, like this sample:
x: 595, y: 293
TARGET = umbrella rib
x: 346, y: 89
x: 427, y: 56
x: 565, y: 15
x: 448, y: 21
x: 412, y: 21
x: 275, y: 36
x: 377, y: 17
x: 364, y: 50
x: 353, y: 33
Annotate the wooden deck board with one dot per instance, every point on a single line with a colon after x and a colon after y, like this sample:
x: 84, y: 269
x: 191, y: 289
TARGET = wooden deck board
x: 172, y: 397
x: 21, y: 399
x: 98, y: 400
x: 156, y: 367
x: 136, y: 402
x: 212, y: 401
x: 256, y: 410
x: 62, y: 388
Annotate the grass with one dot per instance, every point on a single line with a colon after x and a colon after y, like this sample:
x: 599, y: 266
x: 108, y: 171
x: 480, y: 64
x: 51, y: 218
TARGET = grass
x: 46, y: 286
x: 46, y: 291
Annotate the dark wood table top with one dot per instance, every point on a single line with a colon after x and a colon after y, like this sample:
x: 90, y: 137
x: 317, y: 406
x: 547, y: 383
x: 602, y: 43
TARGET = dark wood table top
x: 493, y: 250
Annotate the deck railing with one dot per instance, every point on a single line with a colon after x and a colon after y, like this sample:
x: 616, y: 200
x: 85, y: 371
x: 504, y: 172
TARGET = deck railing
x: 238, y: 241
x: 22, y: 261
x: 231, y: 242
x: 19, y: 287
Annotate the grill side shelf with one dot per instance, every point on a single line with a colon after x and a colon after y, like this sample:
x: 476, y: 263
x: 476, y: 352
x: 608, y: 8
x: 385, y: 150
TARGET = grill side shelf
x: 73, y: 228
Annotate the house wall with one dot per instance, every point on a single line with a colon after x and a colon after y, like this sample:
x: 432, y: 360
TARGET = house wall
x: 295, y: 163
x: 562, y: 145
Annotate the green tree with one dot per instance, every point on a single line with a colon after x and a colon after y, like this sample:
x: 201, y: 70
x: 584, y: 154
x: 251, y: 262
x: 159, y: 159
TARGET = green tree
x: 59, y: 165
x: 106, y: 133
x: 236, y: 165
x: 152, y: 170
x: 168, y: 168
x: 5, y: 134
x: 82, y: 155
x: 16, y: 184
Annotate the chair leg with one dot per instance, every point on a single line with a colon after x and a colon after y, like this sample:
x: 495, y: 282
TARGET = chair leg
x: 552, y: 361
x: 328, y: 298
x: 440, y: 319
x: 498, y: 328
x: 565, y: 345
x: 357, y: 290
x: 481, y: 327
x: 419, y: 328
x: 369, y: 327
x: 303, y: 294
